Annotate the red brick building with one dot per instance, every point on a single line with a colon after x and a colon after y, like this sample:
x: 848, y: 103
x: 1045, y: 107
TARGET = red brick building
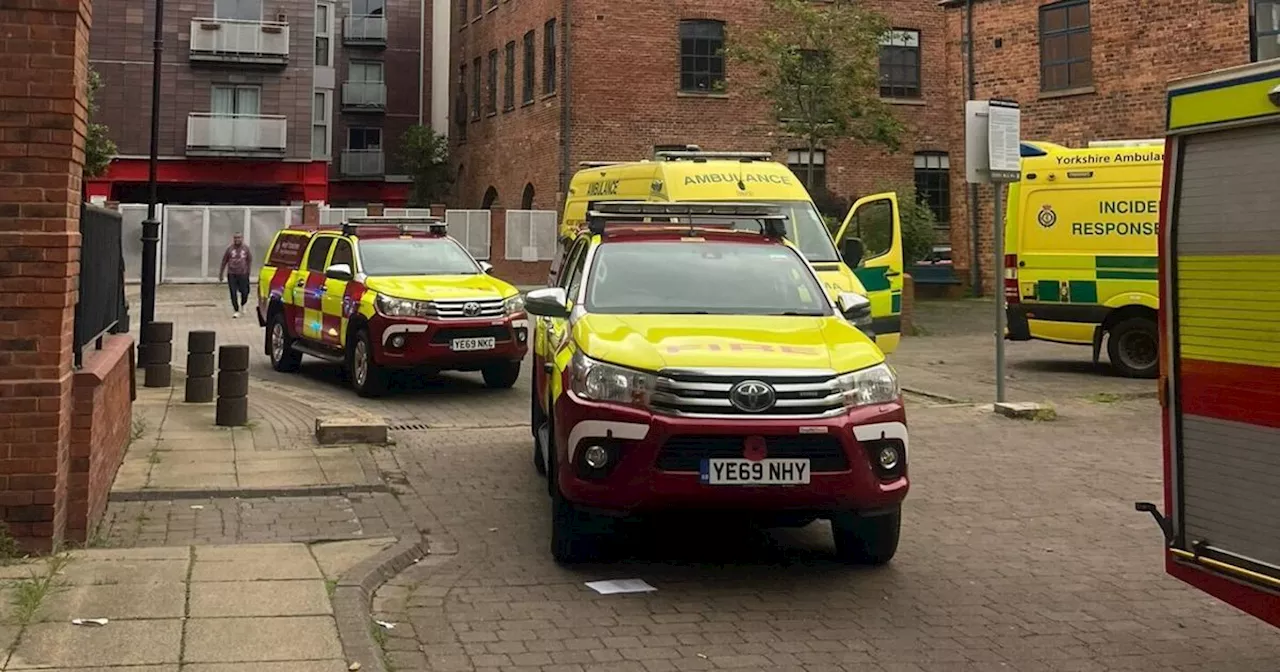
x: 1085, y: 71
x: 535, y: 93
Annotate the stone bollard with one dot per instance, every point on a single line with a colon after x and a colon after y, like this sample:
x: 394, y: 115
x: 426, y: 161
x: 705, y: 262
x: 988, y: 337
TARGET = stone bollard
x: 233, y: 386
x: 200, y: 366
x: 155, y: 354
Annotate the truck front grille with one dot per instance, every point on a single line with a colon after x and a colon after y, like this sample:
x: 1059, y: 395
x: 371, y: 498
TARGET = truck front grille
x: 456, y: 310
x: 707, y: 393
x: 686, y: 453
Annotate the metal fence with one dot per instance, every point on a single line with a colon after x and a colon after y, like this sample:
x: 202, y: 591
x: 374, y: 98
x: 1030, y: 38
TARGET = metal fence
x: 101, y: 306
x: 194, y: 237
x: 531, y: 235
x: 471, y: 228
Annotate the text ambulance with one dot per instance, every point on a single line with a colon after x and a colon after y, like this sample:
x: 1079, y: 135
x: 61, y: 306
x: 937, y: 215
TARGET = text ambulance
x: 1220, y: 337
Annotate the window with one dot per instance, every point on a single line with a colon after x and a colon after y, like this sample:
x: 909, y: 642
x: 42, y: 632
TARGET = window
x: 509, y: 78
x: 319, y: 254
x: 798, y: 162
x: 365, y: 71
x: 324, y: 30
x: 527, y: 96
x: 364, y: 139
x: 462, y: 12
x: 475, y: 88
x: 460, y: 103
x: 701, y: 56
x: 1266, y: 29
x: 900, y: 64
x: 342, y: 254
x: 933, y: 185
x: 491, y: 103
x: 238, y: 10
x: 1065, y: 46
x: 236, y: 100
x: 368, y: 7
x: 549, y: 57
x: 873, y: 223
x: 415, y: 256
x: 320, y: 125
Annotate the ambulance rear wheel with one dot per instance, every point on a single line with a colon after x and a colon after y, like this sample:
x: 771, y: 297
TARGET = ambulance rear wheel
x: 502, y: 375
x: 367, y: 378
x: 1134, y: 348
x: 280, y: 345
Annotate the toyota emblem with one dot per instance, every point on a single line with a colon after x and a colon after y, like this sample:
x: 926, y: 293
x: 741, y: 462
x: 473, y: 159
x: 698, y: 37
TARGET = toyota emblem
x: 752, y: 396
x: 471, y: 309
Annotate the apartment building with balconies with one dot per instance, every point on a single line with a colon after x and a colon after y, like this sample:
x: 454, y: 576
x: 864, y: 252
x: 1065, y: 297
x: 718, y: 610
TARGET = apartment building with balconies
x: 264, y: 102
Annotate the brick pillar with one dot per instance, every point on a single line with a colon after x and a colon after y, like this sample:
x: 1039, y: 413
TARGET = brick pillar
x: 311, y: 214
x: 437, y: 210
x: 376, y: 209
x: 42, y: 125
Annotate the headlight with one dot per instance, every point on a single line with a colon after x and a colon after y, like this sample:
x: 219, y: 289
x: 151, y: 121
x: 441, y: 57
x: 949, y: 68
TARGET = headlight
x: 393, y: 307
x: 873, y: 385
x: 598, y: 381
x: 514, y: 304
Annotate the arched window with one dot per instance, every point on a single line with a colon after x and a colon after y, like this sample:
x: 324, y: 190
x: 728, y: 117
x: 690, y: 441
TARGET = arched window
x: 526, y: 199
x: 490, y: 198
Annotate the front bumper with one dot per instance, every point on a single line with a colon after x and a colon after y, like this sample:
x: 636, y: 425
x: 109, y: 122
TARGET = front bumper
x: 407, y: 342
x: 655, y: 456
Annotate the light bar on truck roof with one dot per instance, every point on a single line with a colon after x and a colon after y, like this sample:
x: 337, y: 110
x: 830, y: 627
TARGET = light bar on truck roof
x: 432, y: 225
x: 700, y: 155
x: 772, y: 219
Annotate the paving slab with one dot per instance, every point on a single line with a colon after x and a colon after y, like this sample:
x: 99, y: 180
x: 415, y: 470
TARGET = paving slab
x: 126, y: 668
x: 251, y: 640
x: 260, y: 598
x: 336, y: 557
x: 109, y: 572
x: 114, y: 602
x: 279, y: 565
x: 63, y: 645
x: 294, y: 666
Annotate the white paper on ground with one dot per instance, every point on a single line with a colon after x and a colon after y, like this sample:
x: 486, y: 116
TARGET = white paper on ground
x: 620, y: 586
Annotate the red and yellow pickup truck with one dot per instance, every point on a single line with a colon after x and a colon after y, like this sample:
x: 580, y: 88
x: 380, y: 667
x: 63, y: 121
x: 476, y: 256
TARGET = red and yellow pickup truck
x: 384, y: 293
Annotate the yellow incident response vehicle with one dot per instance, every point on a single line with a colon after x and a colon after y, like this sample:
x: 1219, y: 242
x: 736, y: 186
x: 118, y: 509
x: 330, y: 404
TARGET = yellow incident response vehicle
x: 685, y: 363
x: 382, y: 293
x: 867, y: 261
x: 1080, y: 250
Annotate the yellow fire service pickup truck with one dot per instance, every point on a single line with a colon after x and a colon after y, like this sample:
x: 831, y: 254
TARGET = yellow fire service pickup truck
x: 384, y: 293
x: 865, y: 257
x: 685, y: 363
x: 1080, y: 249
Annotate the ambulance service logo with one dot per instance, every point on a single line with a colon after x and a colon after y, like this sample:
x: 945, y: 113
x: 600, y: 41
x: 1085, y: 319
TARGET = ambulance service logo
x: 1047, y: 217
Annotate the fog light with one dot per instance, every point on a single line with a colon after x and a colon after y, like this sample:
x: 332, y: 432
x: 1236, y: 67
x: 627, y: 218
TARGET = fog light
x: 397, y: 341
x: 596, y: 457
x: 888, y: 458
x: 522, y: 335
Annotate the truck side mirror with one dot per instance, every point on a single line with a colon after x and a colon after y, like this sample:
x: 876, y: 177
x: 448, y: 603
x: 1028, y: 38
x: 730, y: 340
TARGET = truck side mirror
x: 486, y: 267
x: 549, y: 302
x: 338, y: 272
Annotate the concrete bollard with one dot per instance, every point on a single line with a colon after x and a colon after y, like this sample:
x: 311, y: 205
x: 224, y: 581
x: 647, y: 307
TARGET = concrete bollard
x: 155, y: 354
x: 233, y: 386
x: 200, y: 366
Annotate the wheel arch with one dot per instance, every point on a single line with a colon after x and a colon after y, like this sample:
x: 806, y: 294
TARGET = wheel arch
x: 1122, y: 313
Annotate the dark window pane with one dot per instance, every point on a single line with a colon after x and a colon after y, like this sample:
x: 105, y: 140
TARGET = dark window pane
x: 1081, y: 74
x: 1079, y: 44
x: 1055, y: 77
x: 1053, y: 20
x: 1055, y: 49
x: 1078, y: 16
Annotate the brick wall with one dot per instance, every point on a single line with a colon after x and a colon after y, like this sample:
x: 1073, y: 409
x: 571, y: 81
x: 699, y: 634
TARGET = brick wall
x: 1137, y: 48
x: 101, y: 427
x: 42, y: 124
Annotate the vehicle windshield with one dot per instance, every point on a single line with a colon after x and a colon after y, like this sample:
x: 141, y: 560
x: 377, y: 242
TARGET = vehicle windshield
x: 702, y: 278
x: 806, y: 228
x: 415, y: 256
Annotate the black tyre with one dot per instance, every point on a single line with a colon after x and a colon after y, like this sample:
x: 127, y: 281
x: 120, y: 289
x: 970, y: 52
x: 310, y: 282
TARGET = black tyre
x: 367, y: 378
x: 1133, y: 346
x: 539, y: 428
x: 871, y: 540
x: 501, y: 376
x: 280, y: 345
x: 571, y: 541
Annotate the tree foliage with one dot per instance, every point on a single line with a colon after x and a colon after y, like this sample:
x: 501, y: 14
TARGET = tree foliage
x: 919, y: 223
x: 819, y: 66
x: 98, y: 147
x: 425, y: 157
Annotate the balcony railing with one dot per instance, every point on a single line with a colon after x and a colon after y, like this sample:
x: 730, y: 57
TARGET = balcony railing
x: 369, y: 96
x: 362, y: 162
x: 236, y: 134
x: 364, y: 30
x: 236, y: 41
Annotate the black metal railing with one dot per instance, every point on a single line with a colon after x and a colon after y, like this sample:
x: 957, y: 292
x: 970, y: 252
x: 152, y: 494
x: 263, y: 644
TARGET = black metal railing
x: 101, y: 308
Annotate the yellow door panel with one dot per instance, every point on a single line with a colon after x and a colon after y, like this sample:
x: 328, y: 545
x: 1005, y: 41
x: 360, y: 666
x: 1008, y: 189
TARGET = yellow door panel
x: 877, y: 222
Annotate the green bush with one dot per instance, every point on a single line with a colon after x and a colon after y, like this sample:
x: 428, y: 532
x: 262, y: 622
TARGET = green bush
x: 918, y: 222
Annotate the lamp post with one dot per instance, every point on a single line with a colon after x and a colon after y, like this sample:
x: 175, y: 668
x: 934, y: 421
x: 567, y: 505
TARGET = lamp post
x: 151, y: 225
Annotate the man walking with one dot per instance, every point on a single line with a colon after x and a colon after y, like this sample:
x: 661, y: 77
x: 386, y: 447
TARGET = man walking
x: 235, y: 264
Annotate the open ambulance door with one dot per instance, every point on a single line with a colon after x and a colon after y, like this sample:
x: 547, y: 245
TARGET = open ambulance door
x: 1220, y: 340
x: 870, y: 241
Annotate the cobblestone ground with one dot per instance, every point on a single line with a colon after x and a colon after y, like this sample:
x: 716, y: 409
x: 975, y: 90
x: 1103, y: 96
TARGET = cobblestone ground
x: 257, y: 520
x: 1020, y: 551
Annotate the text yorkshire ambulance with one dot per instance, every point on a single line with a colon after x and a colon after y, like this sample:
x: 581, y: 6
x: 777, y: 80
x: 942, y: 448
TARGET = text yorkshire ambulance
x: 1080, y: 249
x: 865, y: 257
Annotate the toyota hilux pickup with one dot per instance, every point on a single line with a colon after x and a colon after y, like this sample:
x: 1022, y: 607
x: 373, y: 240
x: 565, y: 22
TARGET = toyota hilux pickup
x: 384, y: 293
x: 686, y: 363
